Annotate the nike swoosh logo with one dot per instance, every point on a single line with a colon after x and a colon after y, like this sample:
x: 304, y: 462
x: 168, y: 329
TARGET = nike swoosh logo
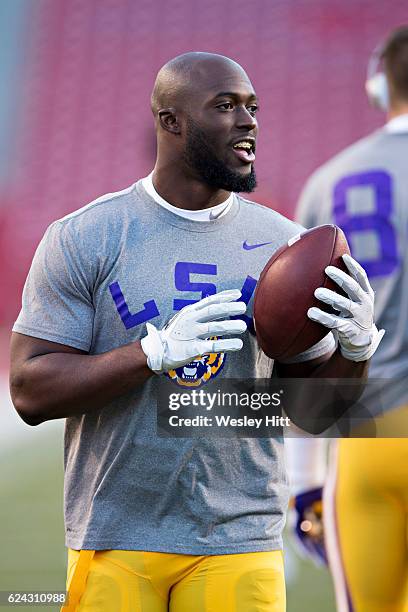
x: 213, y: 216
x: 249, y: 247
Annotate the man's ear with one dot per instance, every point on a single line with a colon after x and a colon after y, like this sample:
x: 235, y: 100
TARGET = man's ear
x: 169, y: 121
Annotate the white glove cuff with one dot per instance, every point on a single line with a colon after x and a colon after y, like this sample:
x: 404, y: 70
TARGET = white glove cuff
x: 366, y: 352
x: 153, y: 348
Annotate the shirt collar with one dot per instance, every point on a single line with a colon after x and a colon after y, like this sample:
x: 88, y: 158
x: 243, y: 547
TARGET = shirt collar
x: 206, y: 214
x: 397, y: 125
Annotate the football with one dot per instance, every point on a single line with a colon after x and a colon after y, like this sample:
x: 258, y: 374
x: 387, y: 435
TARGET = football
x: 285, y: 291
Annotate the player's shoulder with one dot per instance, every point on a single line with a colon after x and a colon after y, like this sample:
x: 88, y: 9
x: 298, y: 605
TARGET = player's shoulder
x: 105, y: 207
x: 263, y: 216
x: 96, y: 228
x: 102, y: 221
x: 348, y: 157
x: 359, y: 148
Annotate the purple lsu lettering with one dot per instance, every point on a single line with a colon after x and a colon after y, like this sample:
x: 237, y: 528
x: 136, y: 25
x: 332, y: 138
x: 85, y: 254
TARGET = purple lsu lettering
x: 182, y: 282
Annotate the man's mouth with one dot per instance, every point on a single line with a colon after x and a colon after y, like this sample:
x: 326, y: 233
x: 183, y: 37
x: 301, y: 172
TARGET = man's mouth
x: 245, y: 150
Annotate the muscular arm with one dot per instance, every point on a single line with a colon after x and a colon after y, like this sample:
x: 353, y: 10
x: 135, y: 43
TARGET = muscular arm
x: 328, y: 366
x: 358, y: 339
x: 52, y: 381
x: 314, y: 414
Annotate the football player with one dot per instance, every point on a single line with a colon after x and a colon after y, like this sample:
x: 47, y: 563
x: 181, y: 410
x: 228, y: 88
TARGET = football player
x: 364, y: 190
x: 159, y: 523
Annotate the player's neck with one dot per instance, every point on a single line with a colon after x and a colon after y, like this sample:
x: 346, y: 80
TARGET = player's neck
x: 397, y: 109
x: 185, y: 192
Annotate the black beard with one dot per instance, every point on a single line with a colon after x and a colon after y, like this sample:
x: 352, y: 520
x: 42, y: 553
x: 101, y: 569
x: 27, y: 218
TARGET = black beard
x: 199, y: 156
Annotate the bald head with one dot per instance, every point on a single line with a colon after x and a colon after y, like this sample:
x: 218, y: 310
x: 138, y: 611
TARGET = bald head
x: 181, y: 78
x: 204, y: 105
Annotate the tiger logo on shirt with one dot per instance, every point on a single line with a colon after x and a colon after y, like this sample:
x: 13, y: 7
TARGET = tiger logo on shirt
x: 198, y: 371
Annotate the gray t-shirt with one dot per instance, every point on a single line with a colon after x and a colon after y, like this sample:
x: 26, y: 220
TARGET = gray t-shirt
x: 98, y: 275
x: 364, y: 190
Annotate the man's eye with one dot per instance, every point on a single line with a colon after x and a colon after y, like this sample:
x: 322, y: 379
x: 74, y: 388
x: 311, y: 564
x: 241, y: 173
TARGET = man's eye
x: 253, y: 108
x: 225, y: 106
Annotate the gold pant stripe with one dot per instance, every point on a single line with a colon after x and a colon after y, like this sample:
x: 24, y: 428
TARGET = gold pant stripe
x: 77, y: 581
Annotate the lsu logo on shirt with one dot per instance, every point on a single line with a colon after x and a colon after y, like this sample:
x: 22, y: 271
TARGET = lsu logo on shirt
x: 204, y: 367
x: 198, y: 371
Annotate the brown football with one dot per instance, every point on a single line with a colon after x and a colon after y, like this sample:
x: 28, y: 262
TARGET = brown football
x: 285, y: 291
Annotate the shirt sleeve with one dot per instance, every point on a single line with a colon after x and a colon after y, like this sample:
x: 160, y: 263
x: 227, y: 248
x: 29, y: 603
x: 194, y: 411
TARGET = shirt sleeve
x: 57, y: 296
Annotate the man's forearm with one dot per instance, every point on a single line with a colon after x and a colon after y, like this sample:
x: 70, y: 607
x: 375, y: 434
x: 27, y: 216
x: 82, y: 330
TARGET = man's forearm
x: 340, y: 367
x: 51, y: 381
x: 345, y: 394
x: 313, y: 408
x: 57, y: 385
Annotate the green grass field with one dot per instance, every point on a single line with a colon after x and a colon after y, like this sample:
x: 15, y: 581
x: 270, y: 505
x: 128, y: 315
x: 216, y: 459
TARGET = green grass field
x: 31, y: 526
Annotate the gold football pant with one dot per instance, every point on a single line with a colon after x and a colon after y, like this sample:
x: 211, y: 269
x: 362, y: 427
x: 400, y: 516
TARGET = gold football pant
x: 366, y: 524
x: 137, y: 581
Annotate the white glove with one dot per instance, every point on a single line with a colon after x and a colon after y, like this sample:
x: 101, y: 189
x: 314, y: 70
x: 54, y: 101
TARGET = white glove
x: 357, y: 333
x: 186, y: 335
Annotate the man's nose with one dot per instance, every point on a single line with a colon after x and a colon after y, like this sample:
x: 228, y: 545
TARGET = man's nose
x: 245, y: 119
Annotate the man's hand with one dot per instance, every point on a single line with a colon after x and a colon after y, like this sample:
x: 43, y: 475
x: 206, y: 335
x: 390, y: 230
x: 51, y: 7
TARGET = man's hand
x: 308, y: 527
x: 357, y: 333
x: 187, y: 334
